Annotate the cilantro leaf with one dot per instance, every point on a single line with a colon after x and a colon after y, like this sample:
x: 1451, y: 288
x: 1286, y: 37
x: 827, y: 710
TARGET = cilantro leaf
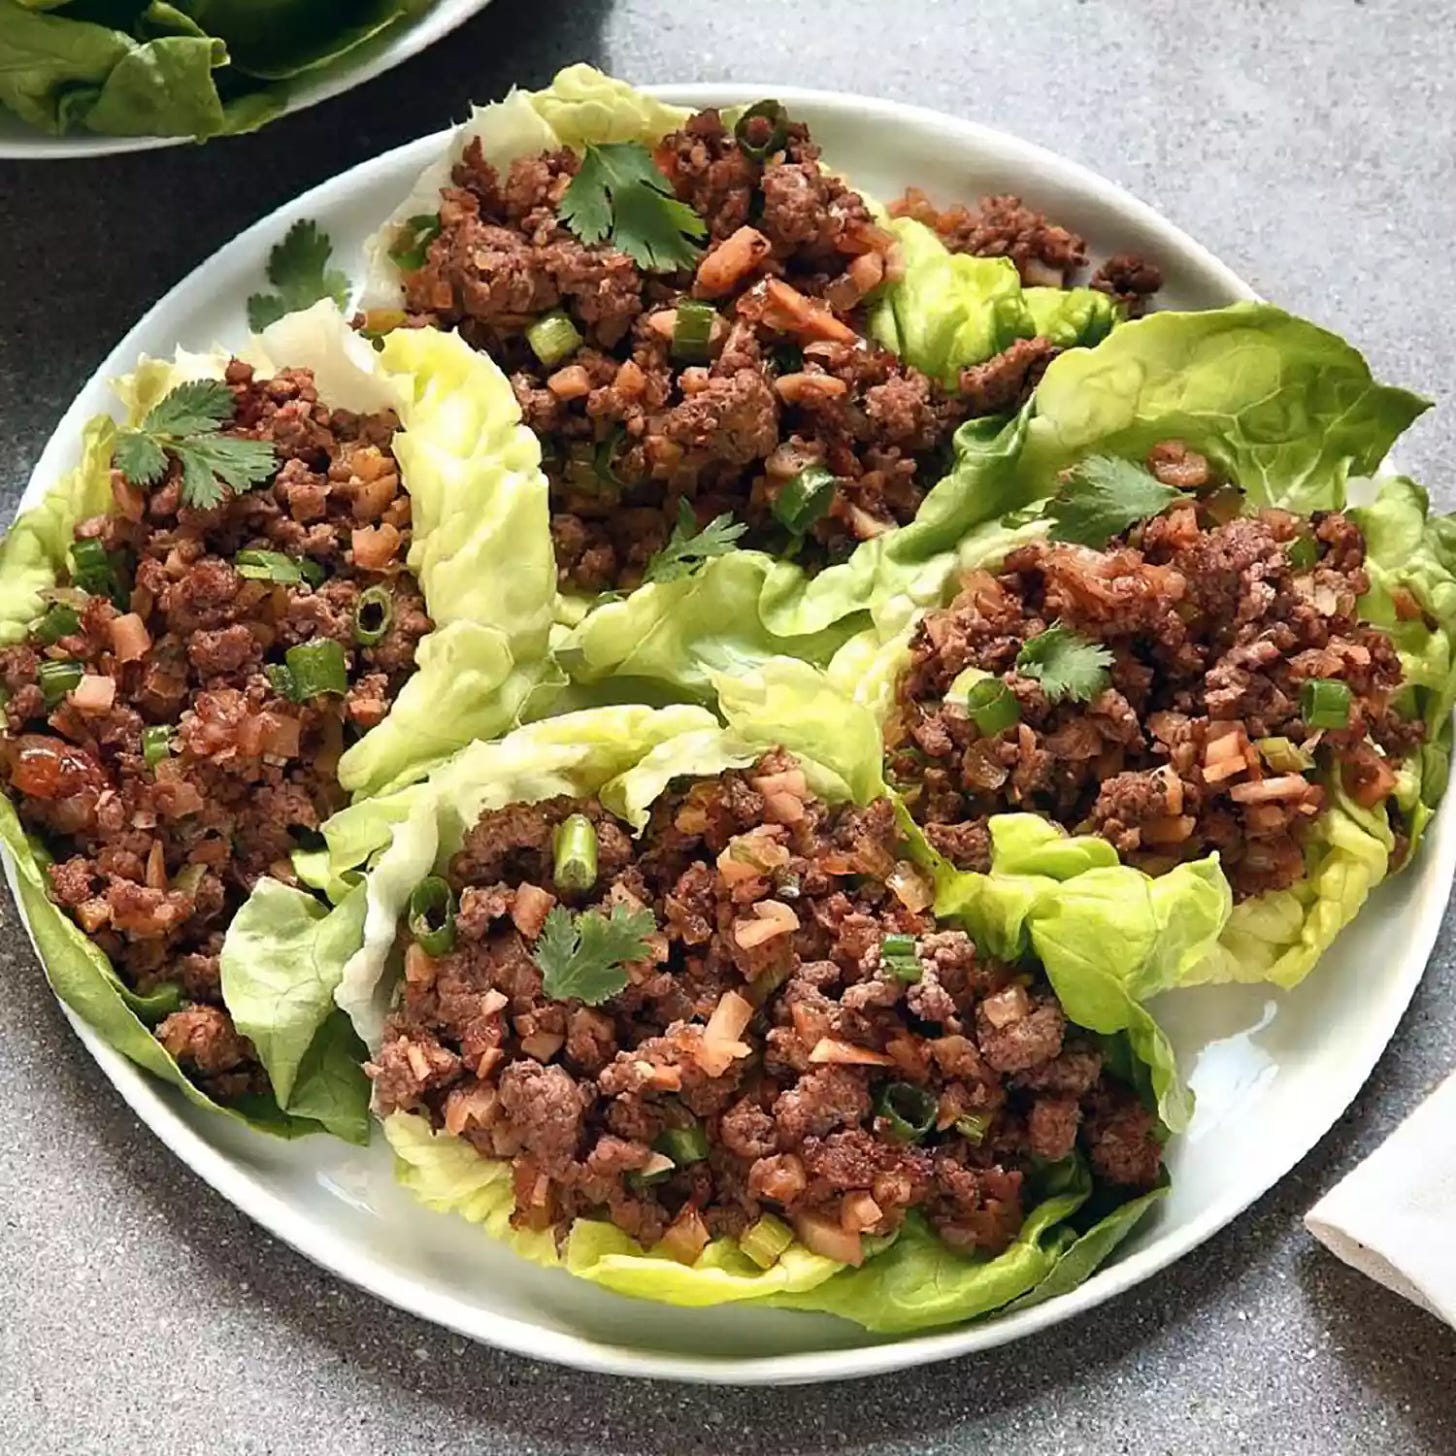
x: 192, y: 408
x: 298, y: 268
x: 184, y: 424
x: 687, y: 548
x: 139, y: 457
x: 1104, y: 496
x: 620, y: 194
x: 1066, y: 665
x: 411, y: 245
x: 584, y: 957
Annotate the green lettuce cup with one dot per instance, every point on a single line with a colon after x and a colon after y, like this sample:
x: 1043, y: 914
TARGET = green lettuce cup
x: 1044, y: 908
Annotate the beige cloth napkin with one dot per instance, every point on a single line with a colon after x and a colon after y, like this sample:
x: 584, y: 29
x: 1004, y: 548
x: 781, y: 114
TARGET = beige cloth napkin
x: 1393, y: 1216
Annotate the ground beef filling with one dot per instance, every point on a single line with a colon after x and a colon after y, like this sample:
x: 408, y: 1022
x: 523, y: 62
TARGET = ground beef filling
x: 1213, y: 631
x: 791, y: 380
x: 151, y: 860
x: 769, y: 902
x: 1045, y: 254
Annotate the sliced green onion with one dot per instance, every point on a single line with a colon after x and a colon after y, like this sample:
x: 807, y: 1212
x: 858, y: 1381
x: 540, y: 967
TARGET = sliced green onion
x: 973, y: 1126
x: 659, y: 1169
x: 282, y: 681
x: 552, y: 337
x: 59, y: 621
x: 693, y: 331
x: 412, y: 242
x: 432, y: 916
x: 93, y: 570
x: 762, y: 130
x: 1284, y: 755
x: 56, y: 679
x: 1302, y: 552
x: 188, y: 878
x: 268, y: 566
x: 765, y: 1241
x: 317, y: 667
x: 992, y: 706
x: 1324, y: 702
x: 909, y: 1110
x: 576, y: 853
x: 905, y: 969
x: 787, y: 885
x: 897, y: 945
x: 156, y: 744
x: 605, y: 454
x: 373, y: 615
x: 684, y: 1145
x: 312, y: 571
x: 805, y: 498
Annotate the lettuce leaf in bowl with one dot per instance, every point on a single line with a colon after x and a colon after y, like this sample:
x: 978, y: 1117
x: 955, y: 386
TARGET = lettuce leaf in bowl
x: 173, y: 68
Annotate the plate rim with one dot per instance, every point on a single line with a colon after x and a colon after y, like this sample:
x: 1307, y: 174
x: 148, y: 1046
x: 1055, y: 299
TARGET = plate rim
x: 31, y: 144
x: 359, y: 1267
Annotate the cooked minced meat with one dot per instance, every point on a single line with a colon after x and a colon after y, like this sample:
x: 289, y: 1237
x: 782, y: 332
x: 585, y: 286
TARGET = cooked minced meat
x: 1198, y: 742
x: 1044, y: 253
x: 790, y: 380
x: 151, y: 860
x: 770, y: 904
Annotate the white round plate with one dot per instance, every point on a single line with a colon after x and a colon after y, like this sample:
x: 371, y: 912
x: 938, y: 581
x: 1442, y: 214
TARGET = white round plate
x: 1286, y: 1064
x: 398, y: 43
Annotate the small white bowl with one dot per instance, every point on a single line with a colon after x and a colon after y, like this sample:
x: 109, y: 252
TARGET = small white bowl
x: 1272, y: 1071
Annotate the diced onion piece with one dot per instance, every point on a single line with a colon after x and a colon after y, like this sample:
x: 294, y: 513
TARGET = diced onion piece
x: 1006, y: 1006
x: 529, y: 909
x: 859, y: 1212
x: 375, y: 546
x: 278, y: 735
x: 668, y: 1078
x: 783, y: 809
x: 464, y: 1106
x: 419, y: 965
x: 687, y: 1237
x: 774, y: 918
x: 1225, y: 768
x: 828, y: 1239
x: 791, y: 312
x: 790, y: 781
x: 543, y: 1045
x: 129, y: 637
x: 157, y: 866
x: 846, y: 1054
x: 95, y: 693
x: 910, y: 887
x: 736, y: 871
x: 1170, y: 829
x: 720, y: 1045
x: 571, y: 382
x: 1285, y: 786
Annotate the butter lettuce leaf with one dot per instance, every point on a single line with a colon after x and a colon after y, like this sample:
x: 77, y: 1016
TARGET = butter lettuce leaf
x: 1286, y: 409
x: 947, y: 310
x: 481, y: 551
x: 1108, y: 935
x: 1280, y: 935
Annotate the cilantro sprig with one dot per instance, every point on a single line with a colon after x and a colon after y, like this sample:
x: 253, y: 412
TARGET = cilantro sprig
x: 619, y: 194
x: 1066, y: 665
x: 585, y: 957
x: 1102, y: 497
x: 688, y: 548
x: 185, y: 425
x: 298, y: 268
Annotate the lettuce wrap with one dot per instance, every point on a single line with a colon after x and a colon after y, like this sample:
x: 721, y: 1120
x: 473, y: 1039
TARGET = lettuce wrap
x: 1047, y: 898
x: 1291, y: 413
x: 478, y: 502
x: 736, y: 610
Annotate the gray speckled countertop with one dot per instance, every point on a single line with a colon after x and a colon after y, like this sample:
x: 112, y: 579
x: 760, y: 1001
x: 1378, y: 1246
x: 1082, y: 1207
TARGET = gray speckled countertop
x: 1308, y: 143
